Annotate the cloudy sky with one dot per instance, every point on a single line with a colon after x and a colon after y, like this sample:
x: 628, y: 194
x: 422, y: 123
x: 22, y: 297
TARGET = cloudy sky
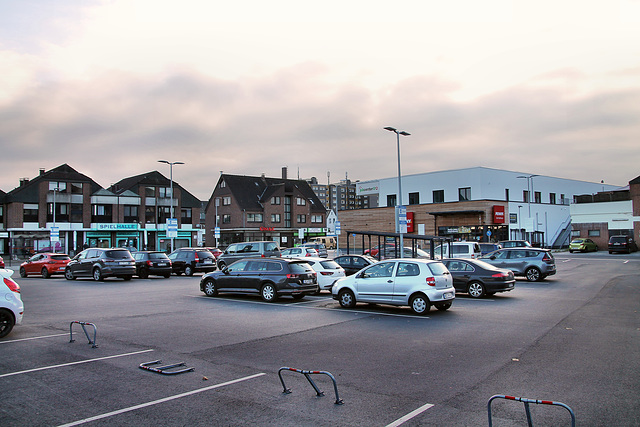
x: 249, y: 86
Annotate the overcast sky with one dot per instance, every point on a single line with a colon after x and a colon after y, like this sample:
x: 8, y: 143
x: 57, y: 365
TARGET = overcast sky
x: 248, y: 86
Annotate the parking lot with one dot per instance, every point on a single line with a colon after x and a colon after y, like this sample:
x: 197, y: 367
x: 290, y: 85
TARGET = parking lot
x: 572, y: 338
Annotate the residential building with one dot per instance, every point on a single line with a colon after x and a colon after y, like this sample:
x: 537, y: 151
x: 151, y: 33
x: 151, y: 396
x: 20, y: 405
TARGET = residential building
x: 253, y: 208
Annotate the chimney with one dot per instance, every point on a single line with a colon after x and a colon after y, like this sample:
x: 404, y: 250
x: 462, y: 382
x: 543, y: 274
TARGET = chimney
x: 41, y: 171
x: 284, y: 172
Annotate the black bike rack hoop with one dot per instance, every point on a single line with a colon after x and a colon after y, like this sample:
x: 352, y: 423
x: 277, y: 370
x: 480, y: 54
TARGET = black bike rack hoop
x: 306, y: 375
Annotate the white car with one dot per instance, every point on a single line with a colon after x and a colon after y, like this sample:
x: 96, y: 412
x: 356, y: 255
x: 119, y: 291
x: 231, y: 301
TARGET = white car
x: 328, y: 271
x: 418, y: 283
x: 299, y: 252
x: 11, y: 307
x: 458, y: 250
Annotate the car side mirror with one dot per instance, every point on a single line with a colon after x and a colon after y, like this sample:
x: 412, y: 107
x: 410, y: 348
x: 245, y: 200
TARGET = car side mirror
x: 492, y: 257
x: 225, y: 270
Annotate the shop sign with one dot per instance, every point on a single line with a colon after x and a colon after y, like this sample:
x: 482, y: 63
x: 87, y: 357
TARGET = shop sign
x: 267, y: 229
x: 456, y: 230
x: 498, y: 214
x: 409, y: 222
x: 114, y: 227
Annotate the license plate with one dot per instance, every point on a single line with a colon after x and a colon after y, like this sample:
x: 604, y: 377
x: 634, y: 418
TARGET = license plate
x: 162, y: 264
x: 208, y: 261
x: 307, y: 281
x: 125, y: 263
x: 448, y: 295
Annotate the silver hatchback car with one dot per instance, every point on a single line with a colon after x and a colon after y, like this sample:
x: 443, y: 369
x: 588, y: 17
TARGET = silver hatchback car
x: 533, y: 263
x: 418, y: 283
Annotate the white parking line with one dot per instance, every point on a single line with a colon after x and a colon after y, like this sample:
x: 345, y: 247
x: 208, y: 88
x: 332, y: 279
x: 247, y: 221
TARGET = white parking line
x: 410, y: 415
x: 73, y: 363
x: 163, y: 400
x: 32, y: 338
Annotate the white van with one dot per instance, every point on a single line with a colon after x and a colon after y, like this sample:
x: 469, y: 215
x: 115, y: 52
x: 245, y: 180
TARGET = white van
x: 458, y: 250
x: 328, y: 241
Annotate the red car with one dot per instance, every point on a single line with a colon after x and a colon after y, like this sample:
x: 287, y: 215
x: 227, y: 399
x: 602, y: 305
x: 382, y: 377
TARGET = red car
x: 1, y: 262
x: 374, y: 251
x: 215, y: 251
x: 44, y: 264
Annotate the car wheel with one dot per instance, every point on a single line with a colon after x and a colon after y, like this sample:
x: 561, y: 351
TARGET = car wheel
x: 97, y: 275
x: 68, y: 274
x: 44, y: 273
x: 268, y: 292
x: 143, y: 274
x: 23, y: 272
x: 444, y: 306
x: 533, y: 274
x: 188, y: 271
x: 570, y: 251
x: 6, y: 322
x: 127, y: 277
x: 346, y: 299
x: 209, y: 288
x: 476, y: 289
x: 419, y: 304
x: 166, y: 276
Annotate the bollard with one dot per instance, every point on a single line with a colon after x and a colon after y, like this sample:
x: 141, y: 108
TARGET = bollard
x: 83, y: 324
x: 306, y: 375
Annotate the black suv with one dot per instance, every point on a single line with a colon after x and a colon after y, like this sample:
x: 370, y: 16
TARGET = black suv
x: 191, y: 260
x: 100, y: 263
x: 622, y: 243
x: 267, y: 277
x: 154, y: 263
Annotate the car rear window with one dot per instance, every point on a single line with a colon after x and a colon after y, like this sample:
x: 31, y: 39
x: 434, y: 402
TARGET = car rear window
x: 60, y: 257
x: 118, y: 254
x: 300, y: 267
x: 205, y: 254
x: 438, y: 268
x: 618, y: 239
x: 157, y: 255
x: 330, y: 265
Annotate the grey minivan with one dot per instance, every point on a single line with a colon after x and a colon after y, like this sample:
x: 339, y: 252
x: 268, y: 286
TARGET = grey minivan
x: 236, y: 251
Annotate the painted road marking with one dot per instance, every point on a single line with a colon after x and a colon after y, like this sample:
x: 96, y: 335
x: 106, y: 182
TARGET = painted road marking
x: 32, y: 338
x: 163, y: 400
x: 73, y: 363
x: 410, y: 415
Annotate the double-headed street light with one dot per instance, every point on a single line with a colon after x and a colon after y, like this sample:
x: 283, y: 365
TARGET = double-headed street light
x: 398, y: 133
x: 171, y: 190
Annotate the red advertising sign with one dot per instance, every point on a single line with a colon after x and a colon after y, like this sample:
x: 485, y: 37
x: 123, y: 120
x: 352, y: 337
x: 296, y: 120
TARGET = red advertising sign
x: 498, y: 214
x: 409, y: 222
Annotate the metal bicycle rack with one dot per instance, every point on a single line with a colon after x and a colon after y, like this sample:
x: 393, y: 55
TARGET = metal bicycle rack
x: 83, y: 324
x: 164, y: 370
x: 526, y: 403
x: 306, y: 375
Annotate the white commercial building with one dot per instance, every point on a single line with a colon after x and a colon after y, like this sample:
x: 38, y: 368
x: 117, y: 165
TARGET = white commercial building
x: 537, y: 206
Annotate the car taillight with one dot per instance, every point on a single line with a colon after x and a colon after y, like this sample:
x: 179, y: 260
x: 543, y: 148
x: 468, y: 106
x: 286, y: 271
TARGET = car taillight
x: 197, y: 259
x: 547, y: 258
x: 149, y: 263
x: 498, y: 275
x: 308, y: 254
x: 13, y: 286
x: 293, y: 276
x: 326, y: 273
x: 431, y: 281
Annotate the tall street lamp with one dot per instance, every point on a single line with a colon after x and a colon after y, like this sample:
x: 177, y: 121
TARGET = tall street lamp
x: 398, y: 133
x: 171, y: 190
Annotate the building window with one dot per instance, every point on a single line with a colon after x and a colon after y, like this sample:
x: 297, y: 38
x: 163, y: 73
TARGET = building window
x: 391, y: 199
x: 62, y: 212
x: 464, y: 194
x: 525, y: 196
x: 164, y: 213
x: 60, y: 187
x: 130, y: 213
x: 287, y: 211
x: 275, y: 218
x: 575, y: 233
x: 186, y: 216
x: 150, y: 214
x: 300, y: 201
x: 76, y: 187
x: 594, y: 233
x: 30, y: 213
x: 150, y: 191
x: 317, y: 219
x: 223, y: 184
x: 275, y: 200
x: 552, y: 198
x: 226, y: 219
x: 164, y: 192
x: 537, y: 196
x: 438, y: 196
x: 562, y: 200
x: 254, y: 217
x: 414, y: 198
x: 101, y: 213
x: 302, y: 219
x: 226, y: 200
x: 506, y: 194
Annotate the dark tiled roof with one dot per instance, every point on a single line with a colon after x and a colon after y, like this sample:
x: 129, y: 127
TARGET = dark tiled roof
x: 154, y: 178
x: 28, y: 192
x: 635, y: 181
x: 250, y: 192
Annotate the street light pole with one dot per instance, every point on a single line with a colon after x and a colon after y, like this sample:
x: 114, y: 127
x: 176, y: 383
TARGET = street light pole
x: 398, y: 133
x: 171, y: 190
